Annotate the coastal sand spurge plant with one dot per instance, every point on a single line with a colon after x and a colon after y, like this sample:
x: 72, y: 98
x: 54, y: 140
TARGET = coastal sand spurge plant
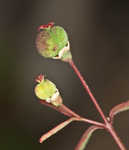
x: 52, y: 42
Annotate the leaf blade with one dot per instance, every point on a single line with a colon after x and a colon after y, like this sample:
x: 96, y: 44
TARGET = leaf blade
x: 56, y: 129
x: 118, y: 108
x: 85, y: 137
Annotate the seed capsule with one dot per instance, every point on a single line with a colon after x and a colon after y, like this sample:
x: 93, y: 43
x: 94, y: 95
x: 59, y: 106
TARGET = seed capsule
x: 52, y: 42
x: 46, y: 90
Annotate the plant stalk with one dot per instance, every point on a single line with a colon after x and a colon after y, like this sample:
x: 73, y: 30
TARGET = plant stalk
x: 98, y: 124
x: 107, y: 125
x: 88, y: 90
x: 115, y: 137
x: 68, y: 112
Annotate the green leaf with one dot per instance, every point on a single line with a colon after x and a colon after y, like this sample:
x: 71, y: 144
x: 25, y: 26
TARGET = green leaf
x: 86, y: 137
x: 56, y: 129
x: 118, y: 108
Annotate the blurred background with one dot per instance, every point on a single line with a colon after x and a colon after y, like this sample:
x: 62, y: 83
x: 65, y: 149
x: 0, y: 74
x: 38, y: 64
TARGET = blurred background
x: 99, y: 35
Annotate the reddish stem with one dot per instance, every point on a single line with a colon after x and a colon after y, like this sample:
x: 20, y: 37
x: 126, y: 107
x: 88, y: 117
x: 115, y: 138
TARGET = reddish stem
x: 107, y: 125
x: 62, y: 109
x: 115, y: 137
x: 68, y: 112
x: 98, y: 124
x: 88, y: 90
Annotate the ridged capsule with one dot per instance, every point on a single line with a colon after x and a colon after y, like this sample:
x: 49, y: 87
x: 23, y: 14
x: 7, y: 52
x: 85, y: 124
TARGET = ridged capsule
x: 46, y: 90
x: 52, y: 42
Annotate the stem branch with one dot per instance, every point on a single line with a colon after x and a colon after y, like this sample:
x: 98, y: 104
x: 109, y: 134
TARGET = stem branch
x: 88, y: 90
x: 98, y: 124
x: 107, y: 125
x: 68, y: 112
x: 116, y: 138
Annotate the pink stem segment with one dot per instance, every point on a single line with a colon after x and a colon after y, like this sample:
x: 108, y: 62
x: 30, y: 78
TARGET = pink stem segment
x: 115, y: 137
x: 68, y: 112
x: 98, y: 124
x: 107, y: 125
x: 88, y: 90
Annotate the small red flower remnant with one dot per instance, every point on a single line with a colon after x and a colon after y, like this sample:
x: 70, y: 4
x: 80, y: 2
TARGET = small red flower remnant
x: 49, y: 25
x: 39, y: 78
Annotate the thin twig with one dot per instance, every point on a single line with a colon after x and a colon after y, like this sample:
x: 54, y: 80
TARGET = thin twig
x: 68, y: 112
x: 115, y: 137
x: 88, y: 90
x: 96, y: 123
x: 107, y: 125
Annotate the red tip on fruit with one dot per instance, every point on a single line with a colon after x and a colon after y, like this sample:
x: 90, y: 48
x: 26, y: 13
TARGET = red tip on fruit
x: 39, y: 78
x: 46, y: 26
x: 40, y: 140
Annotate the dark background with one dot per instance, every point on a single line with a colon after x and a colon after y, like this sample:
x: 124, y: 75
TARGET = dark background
x: 99, y: 35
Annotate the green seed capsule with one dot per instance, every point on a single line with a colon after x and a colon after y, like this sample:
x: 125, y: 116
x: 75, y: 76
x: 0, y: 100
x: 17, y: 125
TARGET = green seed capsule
x: 52, y: 41
x: 46, y: 90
